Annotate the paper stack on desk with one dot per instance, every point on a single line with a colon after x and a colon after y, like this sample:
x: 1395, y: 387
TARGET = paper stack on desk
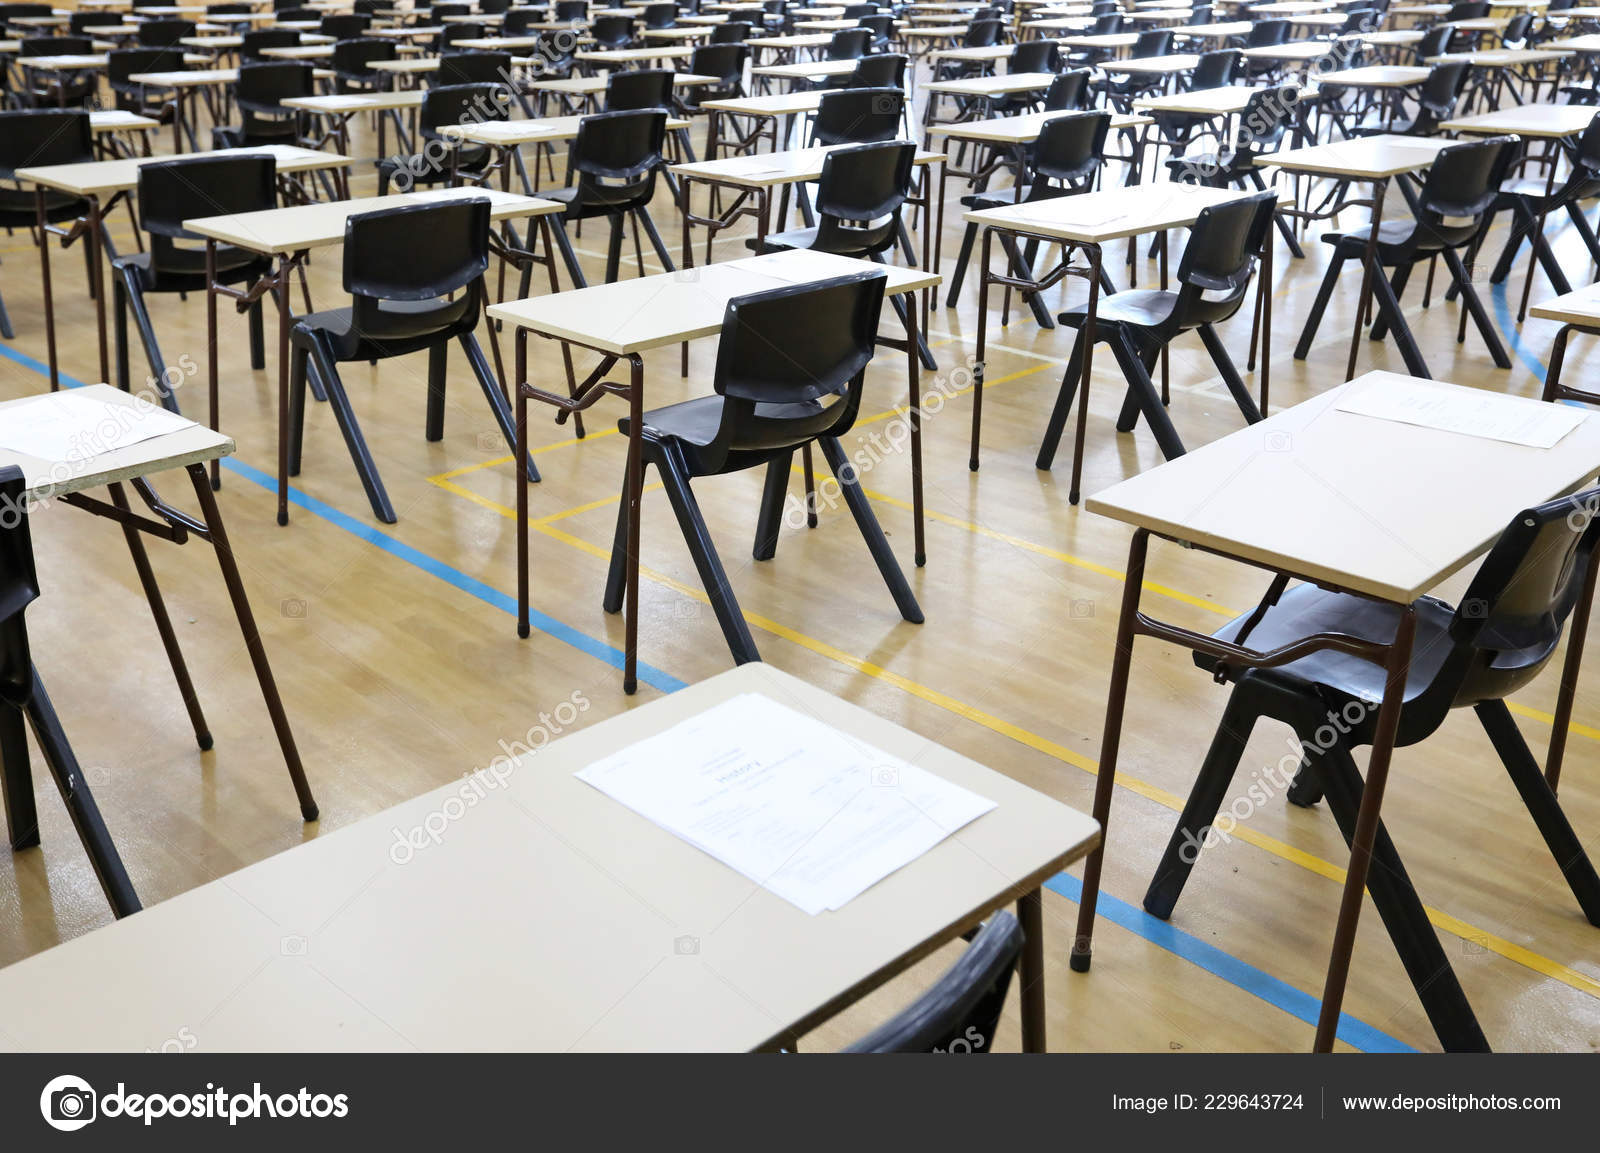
x: 67, y: 426
x: 811, y: 814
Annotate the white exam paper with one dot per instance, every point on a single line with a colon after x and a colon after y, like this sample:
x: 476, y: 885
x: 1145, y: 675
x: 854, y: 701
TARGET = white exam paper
x: 1469, y: 411
x: 813, y: 815
x: 67, y: 426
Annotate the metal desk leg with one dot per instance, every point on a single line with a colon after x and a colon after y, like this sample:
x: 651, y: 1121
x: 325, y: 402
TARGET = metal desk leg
x: 913, y: 367
x: 979, y: 365
x: 49, y: 302
x: 1379, y: 189
x: 97, y: 283
x: 211, y: 351
x: 1094, y: 254
x: 281, y: 293
x: 1030, y: 975
x: 630, y: 658
x: 519, y: 376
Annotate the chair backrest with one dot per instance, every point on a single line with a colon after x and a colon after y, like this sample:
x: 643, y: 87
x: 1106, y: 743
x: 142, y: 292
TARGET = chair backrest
x: 449, y: 104
x: 494, y: 7
x: 1155, y: 42
x: 730, y: 32
x: 1199, y: 14
x: 1435, y: 41
x: 858, y: 115
x: 1516, y: 30
x: 881, y: 70
x: 1461, y: 186
x: 35, y: 137
x: 303, y: 15
x: 612, y: 31
x: 19, y: 587
x: 1106, y: 24
x: 572, y: 9
x: 345, y: 25
x: 616, y: 156
x: 1068, y: 152
x: 857, y: 11
x: 981, y: 34
x: 1584, y: 181
x: 660, y: 15
x: 960, y: 1013
x: 122, y: 63
x: 1215, y: 270
x: 791, y: 346
x: 518, y: 21
x: 251, y: 43
x: 1467, y: 10
x: 1069, y: 91
x: 1267, y: 33
x: 449, y: 11
x: 1439, y: 94
x: 1361, y: 20
x: 639, y: 88
x: 724, y: 61
x: 1265, y: 118
x: 191, y: 187
x: 473, y: 68
x: 263, y: 86
x: 1104, y: 8
x: 1034, y: 56
x: 417, y: 252
x: 849, y: 44
x: 82, y: 21
x: 881, y: 27
x: 859, y: 197
x: 1216, y: 69
x: 164, y: 33
x: 450, y: 33
x: 353, y: 59
x: 371, y: 7
x: 57, y: 46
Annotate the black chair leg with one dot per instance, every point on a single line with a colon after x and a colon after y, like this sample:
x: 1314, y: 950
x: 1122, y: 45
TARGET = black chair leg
x: 6, y: 330
x: 504, y: 416
x: 1200, y: 810
x: 568, y: 256
x: 16, y: 781
x: 871, y: 531
x: 1306, y: 788
x: 1542, y: 804
x: 1574, y: 210
x: 258, y: 337
x: 134, y: 297
x: 617, y: 572
x: 644, y: 218
x: 712, y: 575
x: 438, y: 366
x: 968, y: 238
x: 1397, y: 284
x: 1403, y: 914
x: 614, y: 247
x: 1018, y: 268
x: 1144, y: 389
x: 297, y: 406
x: 1552, y: 267
x: 1063, y: 407
x: 1480, y: 317
x: 52, y: 739
x: 773, y: 494
x: 326, y: 367
x: 1508, y: 254
x: 1404, y: 340
x: 119, y: 325
x: 1320, y: 305
x: 1230, y: 375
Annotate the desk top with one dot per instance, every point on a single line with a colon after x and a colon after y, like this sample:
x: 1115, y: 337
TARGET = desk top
x: 990, y: 52
x: 1542, y: 120
x: 1389, y: 37
x: 1581, y: 308
x: 196, y: 78
x: 281, y: 231
x: 1505, y: 57
x: 632, y: 316
x: 554, y: 919
x: 1110, y: 214
x: 778, y: 104
x: 1023, y: 129
x: 1366, y: 157
x: 1111, y: 40
x: 1295, y: 51
x: 1343, y: 498
x: 508, y: 133
x: 993, y: 85
x: 1153, y: 66
x: 1215, y: 31
x: 1228, y: 100
x: 75, y: 62
x: 98, y: 177
x: 46, y: 479
x: 346, y: 103
x: 1376, y: 76
x: 634, y: 55
x: 806, y: 69
x: 596, y: 85
x: 116, y: 120
x: 769, y: 169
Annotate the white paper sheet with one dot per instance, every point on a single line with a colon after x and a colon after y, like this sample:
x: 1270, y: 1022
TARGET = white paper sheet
x: 67, y: 426
x: 814, y: 816
x: 1469, y: 411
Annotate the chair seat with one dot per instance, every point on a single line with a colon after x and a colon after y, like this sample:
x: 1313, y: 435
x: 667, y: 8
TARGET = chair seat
x: 1306, y: 610
x: 1395, y: 239
x: 414, y: 325
x: 1136, y: 307
x: 783, y: 241
x: 18, y: 207
x: 186, y: 268
x: 695, y: 422
x: 998, y: 198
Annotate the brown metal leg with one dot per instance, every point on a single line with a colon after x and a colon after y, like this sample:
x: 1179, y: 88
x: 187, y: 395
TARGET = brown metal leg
x: 630, y: 657
x: 979, y: 366
x: 1576, y: 634
x: 519, y: 374
x: 1105, y: 779
x: 281, y: 294
x: 158, y: 610
x: 97, y: 284
x: 1355, y: 881
x: 1370, y: 257
x: 1265, y: 295
x: 1031, y: 972
x: 211, y: 352
x: 49, y: 302
x: 252, y: 638
x: 1094, y: 254
x: 913, y: 374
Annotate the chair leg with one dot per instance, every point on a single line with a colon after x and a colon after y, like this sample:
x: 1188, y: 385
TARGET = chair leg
x: 1574, y: 210
x: 1283, y: 225
x: 712, y: 575
x: 258, y: 338
x: 1040, y: 312
x: 1401, y: 910
x: 1480, y: 317
x: 558, y: 230
x: 614, y: 247
x: 1200, y: 810
x: 1319, y: 306
x: 1397, y: 284
x: 773, y: 495
x: 1140, y: 384
x: 119, y: 326
x: 297, y: 406
x: 850, y: 487
x: 1542, y: 804
x: 326, y: 368
x: 16, y: 781
x: 504, y: 416
x: 968, y: 238
x: 1230, y: 375
x: 1404, y: 339
x: 644, y: 218
x: 147, y: 336
x: 6, y: 330
x: 617, y: 572
x: 1063, y: 407
x: 438, y: 366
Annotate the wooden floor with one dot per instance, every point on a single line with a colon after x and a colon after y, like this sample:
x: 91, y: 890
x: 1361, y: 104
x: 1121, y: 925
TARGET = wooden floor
x: 401, y: 668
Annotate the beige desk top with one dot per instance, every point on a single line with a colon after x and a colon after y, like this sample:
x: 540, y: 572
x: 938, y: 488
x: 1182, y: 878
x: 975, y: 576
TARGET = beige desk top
x: 1292, y: 7
x: 1153, y: 66
x: 302, y: 226
x: 1059, y: 24
x: 595, y: 85
x: 980, y: 86
x: 1301, y: 51
x: 500, y: 43
x: 631, y: 316
x: 1229, y: 100
x: 100, y: 177
x: 634, y: 55
x: 509, y: 133
x: 548, y: 918
x: 806, y: 69
x: 1368, y: 157
x: 48, y: 478
x: 353, y: 102
x: 1548, y: 121
x: 1110, y: 214
x: 306, y: 52
x: 1111, y: 40
x: 1318, y: 20
x: 1343, y: 498
x: 816, y: 40
x: 1023, y: 129
x: 116, y: 120
x: 939, y: 32
x: 1376, y: 76
x: 1215, y: 31
x: 992, y: 52
x: 1391, y: 37
x: 1506, y: 58
x: 769, y: 169
x: 199, y: 78
x: 779, y: 104
x: 70, y: 63
x: 1581, y: 307
x: 1586, y: 43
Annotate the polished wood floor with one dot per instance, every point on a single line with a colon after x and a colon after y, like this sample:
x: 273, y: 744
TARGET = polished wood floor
x: 401, y: 669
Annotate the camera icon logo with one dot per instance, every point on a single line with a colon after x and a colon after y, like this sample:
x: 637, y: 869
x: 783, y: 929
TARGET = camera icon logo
x: 1278, y: 441
x: 686, y: 946
x: 886, y: 777
x: 292, y: 608
x: 68, y: 1103
x: 294, y: 945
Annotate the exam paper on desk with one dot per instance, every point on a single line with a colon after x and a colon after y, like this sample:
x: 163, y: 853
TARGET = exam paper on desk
x: 64, y: 426
x: 1467, y: 411
x: 807, y: 812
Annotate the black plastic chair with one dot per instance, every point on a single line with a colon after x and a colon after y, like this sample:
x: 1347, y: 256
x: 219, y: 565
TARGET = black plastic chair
x: 352, y: 65
x: 252, y: 44
x: 259, y: 94
x: 572, y: 9
x: 1448, y: 216
x: 473, y: 67
x: 881, y: 70
x: 164, y: 33
x: 345, y: 25
x: 129, y: 96
x: 615, y: 158
x: 1062, y: 161
x: 34, y: 138
x: 858, y: 116
x: 1071, y: 91
x: 415, y: 275
x: 639, y: 88
x: 723, y: 61
x: 300, y: 15
x: 445, y: 106
x: 1496, y: 641
x: 1106, y: 24
x: 1214, y: 276
x: 791, y: 369
x: 1120, y: 91
x: 70, y: 89
x: 849, y: 44
x: 859, y: 200
x: 660, y: 15
x: 80, y: 23
x: 1026, y: 56
x: 961, y: 1012
x: 1264, y: 34
x: 1436, y: 41
x: 1528, y: 204
x: 1217, y: 69
x: 882, y: 29
x: 730, y: 32
x: 171, y: 192
x: 520, y: 21
x: 612, y: 33
x: 23, y: 696
x: 1467, y: 10
x: 451, y: 33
